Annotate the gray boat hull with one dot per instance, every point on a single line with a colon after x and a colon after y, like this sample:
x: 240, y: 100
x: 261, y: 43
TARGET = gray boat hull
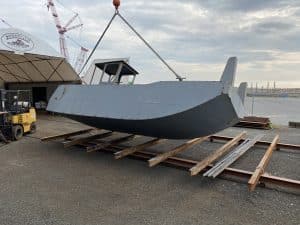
x: 213, y: 112
x: 188, y: 124
x: 166, y: 109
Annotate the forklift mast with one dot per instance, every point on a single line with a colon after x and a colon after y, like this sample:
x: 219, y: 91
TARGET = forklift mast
x: 15, y: 101
x: 16, y: 114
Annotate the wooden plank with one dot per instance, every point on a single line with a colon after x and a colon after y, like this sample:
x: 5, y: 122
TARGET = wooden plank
x: 100, y: 146
x: 219, y: 152
x: 254, y: 125
x: 262, y: 165
x: 260, y: 143
x: 130, y: 150
x: 66, y: 135
x: 87, y: 138
x: 228, y: 173
x: 163, y: 156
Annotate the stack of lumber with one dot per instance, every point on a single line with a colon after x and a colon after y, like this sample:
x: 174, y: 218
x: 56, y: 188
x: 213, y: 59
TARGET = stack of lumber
x: 255, y: 122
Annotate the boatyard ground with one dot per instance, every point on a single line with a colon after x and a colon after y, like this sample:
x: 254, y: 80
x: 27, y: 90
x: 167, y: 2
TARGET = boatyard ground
x: 43, y: 183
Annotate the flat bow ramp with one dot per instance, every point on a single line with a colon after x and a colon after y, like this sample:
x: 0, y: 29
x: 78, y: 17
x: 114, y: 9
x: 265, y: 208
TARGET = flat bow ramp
x: 167, y: 109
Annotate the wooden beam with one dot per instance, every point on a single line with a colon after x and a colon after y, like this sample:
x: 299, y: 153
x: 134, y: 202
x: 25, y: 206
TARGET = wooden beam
x: 130, y: 150
x: 60, y: 136
x: 87, y: 138
x: 262, y: 165
x: 228, y: 173
x: 100, y: 146
x: 163, y: 156
x: 218, y: 153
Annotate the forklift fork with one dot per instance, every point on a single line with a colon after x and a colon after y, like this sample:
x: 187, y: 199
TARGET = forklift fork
x: 3, y: 138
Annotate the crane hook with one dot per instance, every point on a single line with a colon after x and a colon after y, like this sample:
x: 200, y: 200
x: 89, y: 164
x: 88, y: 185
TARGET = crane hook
x: 116, y: 3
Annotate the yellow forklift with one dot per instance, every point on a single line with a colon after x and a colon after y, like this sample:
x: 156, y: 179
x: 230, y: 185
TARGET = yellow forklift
x: 17, y: 117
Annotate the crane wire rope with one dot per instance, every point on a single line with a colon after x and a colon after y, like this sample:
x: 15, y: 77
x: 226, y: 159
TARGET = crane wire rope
x: 98, y: 42
x: 151, y: 48
x: 117, y: 13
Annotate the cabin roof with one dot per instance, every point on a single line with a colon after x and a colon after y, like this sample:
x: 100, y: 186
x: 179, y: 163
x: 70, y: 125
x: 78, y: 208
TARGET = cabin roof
x: 112, y: 67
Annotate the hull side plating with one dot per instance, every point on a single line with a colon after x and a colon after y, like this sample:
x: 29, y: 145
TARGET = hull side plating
x: 205, y: 119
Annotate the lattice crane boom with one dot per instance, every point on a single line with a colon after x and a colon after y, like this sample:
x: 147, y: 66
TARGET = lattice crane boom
x: 72, y: 27
x: 80, y: 59
x: 71, y: 20
x: 62, y: 29
x: 63, y: 46
x: 81, y: 56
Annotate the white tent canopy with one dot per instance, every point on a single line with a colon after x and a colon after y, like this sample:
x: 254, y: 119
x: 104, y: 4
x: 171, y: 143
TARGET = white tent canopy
x: 25, y: 58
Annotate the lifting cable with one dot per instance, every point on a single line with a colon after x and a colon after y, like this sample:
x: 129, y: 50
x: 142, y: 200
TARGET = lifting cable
x: 6, y: 23
x: 98, y: 42
x: 117, y: 13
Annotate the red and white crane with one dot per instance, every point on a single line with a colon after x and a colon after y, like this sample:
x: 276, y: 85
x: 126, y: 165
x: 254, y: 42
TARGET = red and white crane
x: 62, y: 30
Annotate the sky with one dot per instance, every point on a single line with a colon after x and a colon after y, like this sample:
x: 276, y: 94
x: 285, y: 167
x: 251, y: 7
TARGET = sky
x: 194, y: 36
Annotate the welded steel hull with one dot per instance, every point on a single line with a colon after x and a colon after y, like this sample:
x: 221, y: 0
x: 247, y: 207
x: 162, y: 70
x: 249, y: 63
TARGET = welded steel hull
x: 173, y: 110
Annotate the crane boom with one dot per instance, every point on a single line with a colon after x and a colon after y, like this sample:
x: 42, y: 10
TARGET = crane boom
x: 80, y: 59
x: 62, y: 29
x: 63, y: 46
x: 71, y: 20
x: 73, y: 27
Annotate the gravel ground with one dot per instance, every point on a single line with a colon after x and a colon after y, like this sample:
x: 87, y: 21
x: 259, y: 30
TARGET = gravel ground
x: 42, y: 183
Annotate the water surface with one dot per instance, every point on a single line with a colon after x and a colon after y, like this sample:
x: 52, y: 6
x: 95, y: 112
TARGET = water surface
x: 279, y: 110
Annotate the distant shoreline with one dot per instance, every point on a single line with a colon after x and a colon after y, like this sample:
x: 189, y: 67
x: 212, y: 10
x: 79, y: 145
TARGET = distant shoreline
x: 274, y: 95
x: 274, y: 92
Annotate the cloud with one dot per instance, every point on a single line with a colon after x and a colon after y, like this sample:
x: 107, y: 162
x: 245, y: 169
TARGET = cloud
x: 195, y: 37
x: 273, y: 26
x: 246, y: 5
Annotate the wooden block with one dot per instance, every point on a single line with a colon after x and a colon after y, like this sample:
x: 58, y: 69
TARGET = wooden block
x: 60, y: 136
x: 107, y: 144
x: 130, y: 150
x: 161, y: 157
x: 294, y: 124
x: 87, y: 138
x: 263, y: 164
x: 218, y: 153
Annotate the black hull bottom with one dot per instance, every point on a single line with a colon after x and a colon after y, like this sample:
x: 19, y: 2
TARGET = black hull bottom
x: 206, y: 119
